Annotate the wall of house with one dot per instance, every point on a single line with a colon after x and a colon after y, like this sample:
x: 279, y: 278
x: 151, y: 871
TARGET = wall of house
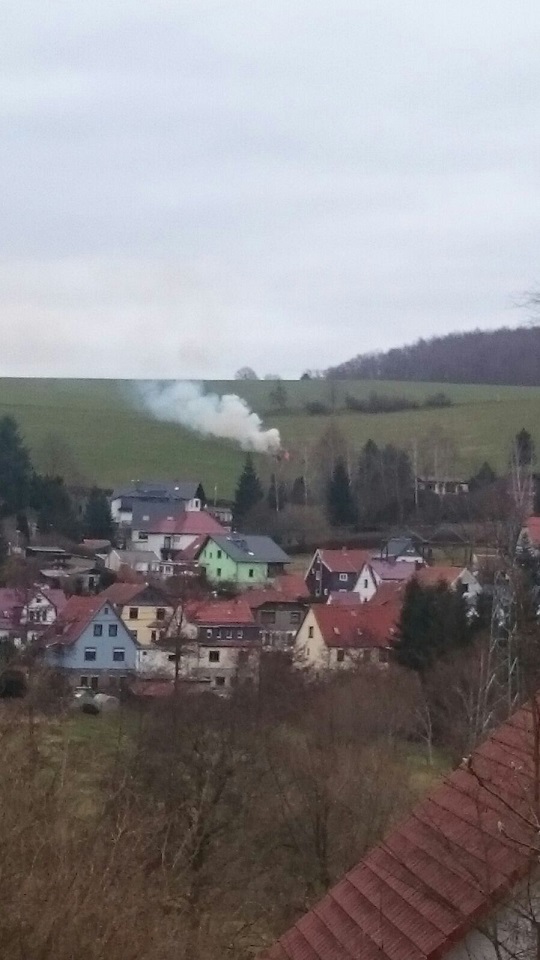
x: 366, y: 586
x: 214, y: 634
x: 142, y: 540
x: 310, y: 650
x: 145, y: 623
x: 104, y: 666
x: 156, y: 663
x: 220, y: 567
x: 510, y: 936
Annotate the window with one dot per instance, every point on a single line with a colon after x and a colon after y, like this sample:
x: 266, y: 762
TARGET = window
x: 220, y: 681
x: 228, y: 635
x: 119, y: 654
x: 219, y: 554
x: 90, y: 654
x: 94, y: 682
x: 153, y: 636
x: 340, y: 656
x: 344, y: 577
x: 218, y: 572
x: 98, y: 629
x: 106, y: 610
x: 366, y: 583
x: 133, y: 613
x: 268, y: 617
x: 240, y: 635
x: 160, y: 613
x: 84, y: 682
x: 172, y: 658
x: 213, y: 656
x: 113, y: 629
x: 142, y: 536
x: 310, y: 632
x: 250, y: 572
x: 294, y: 617
x: 218, y: 634
x: 209, y: 634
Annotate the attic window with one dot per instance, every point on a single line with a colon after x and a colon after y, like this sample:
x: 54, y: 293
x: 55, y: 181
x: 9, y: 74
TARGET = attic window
x: 340, y: 656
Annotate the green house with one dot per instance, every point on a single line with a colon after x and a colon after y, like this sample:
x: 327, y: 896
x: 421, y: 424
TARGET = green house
x: 245, y: 560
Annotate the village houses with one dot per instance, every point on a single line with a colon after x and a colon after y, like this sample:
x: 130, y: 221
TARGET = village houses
x: 245, y: 560
x: 333, y: 637
x: 26, y: 612
x: 91, y: 645
x: 183, y: 495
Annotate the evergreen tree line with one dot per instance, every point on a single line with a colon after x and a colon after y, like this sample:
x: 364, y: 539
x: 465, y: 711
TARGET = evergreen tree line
x: 24, y: 489
x: 376, y: 486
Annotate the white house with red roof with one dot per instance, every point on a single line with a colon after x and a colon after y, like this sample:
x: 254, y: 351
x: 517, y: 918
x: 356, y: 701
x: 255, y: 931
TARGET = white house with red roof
x: 26, y: 612
x: 172, y: 534
x: 379, y: 573
x: 334, y: 637
x: 213, y: 642
x: 457, y: 879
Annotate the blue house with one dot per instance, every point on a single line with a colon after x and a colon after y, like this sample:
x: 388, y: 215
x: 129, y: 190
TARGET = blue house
x: 91, y: 643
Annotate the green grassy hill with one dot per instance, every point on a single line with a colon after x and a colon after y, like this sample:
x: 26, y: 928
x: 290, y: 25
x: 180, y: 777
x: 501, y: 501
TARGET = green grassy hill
x: 98, y: 426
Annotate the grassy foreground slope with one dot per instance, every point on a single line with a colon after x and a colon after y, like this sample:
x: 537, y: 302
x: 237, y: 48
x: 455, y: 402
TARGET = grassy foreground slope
x: 113, y: 440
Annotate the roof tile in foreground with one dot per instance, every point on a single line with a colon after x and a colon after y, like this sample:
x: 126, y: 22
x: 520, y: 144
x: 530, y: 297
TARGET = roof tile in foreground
x: 438, y: 873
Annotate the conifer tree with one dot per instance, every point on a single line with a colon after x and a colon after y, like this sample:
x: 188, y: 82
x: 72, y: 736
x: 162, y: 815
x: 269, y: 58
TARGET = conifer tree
x: 339, y: 498
x: 15, y: 468
x: 433, y: 623
x: 248, y: 490
x: 98, y: 522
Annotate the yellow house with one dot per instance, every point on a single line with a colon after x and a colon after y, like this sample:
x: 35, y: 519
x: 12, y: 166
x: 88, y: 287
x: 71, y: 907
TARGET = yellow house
x: 333, y: 637
x: 144, y: 609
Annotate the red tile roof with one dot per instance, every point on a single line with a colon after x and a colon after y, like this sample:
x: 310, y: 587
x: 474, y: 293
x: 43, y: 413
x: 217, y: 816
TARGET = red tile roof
x: 345, y: 561
x: 191, y: 522
x: 219, y: 612
x: 533, y: 529
x: 389, y: 592
x: 13, y: 599
x: 363, y: 626
x: 76, y: 615
x: 121, y: 593
x: 441, y: 871
x: 344, y: 598
x: 292, y: 586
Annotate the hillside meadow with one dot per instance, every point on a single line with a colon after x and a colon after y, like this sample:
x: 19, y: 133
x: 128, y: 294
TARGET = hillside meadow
x: 97, y: 430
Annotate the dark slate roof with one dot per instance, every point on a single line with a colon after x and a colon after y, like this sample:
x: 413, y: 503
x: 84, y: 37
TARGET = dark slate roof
x: 181, y: 490
x: 146, y: 514
x: 245, y: 548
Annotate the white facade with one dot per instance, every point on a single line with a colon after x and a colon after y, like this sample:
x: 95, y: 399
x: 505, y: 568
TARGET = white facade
x: 143, y: 540
x: 125, y: 516
x: 127, y: 558
x: 367, y: 584
x: 217, y: 665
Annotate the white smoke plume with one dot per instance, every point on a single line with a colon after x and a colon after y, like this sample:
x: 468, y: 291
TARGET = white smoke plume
x: 225, y: 416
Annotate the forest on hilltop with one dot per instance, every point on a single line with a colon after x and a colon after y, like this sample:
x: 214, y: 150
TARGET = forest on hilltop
x: 505, y: 356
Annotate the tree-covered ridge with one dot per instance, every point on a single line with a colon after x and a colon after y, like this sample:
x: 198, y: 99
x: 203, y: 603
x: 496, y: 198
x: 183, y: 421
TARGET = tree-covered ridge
x: 505, y: 356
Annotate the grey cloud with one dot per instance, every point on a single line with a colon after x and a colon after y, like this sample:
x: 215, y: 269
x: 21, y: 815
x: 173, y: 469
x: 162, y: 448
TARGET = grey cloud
x: 280, y: 184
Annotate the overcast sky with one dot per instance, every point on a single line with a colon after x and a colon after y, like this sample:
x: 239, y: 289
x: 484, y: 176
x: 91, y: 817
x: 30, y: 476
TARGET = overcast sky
x: 192, y: 185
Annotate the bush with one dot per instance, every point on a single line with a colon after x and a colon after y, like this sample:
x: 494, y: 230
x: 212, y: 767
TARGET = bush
x: 438, y: 400
x: 317, y: 409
